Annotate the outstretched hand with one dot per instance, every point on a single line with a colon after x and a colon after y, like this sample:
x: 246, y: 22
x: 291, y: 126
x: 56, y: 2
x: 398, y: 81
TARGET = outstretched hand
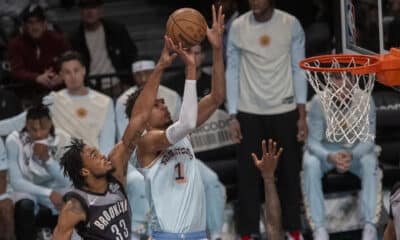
x: 269, y: 160
x: 214, y: 34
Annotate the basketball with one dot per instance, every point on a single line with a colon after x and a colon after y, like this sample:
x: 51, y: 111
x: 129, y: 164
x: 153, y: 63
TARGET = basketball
x: 186, y: 25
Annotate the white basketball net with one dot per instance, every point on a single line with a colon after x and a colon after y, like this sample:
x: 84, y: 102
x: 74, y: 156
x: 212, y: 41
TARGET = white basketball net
x: 345, y: 98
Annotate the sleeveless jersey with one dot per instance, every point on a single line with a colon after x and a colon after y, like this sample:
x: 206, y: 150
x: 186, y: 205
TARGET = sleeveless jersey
x: 175, y: 190
x: 108, y: 215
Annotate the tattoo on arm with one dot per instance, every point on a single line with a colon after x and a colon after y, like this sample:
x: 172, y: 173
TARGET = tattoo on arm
x: 76, y: 206
x: 131, y: 146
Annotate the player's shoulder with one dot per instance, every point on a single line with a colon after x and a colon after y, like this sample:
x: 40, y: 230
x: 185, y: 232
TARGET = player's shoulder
x: 75, y: 210
x: 79, y: 197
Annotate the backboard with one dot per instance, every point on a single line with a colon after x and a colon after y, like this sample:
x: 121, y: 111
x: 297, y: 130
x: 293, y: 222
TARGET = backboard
x: 361, y: 26
x: 369, y: 26
x: 391, y: 23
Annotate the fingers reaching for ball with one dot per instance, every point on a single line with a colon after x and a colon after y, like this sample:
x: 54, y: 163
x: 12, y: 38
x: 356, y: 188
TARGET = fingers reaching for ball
x: 185, y: 54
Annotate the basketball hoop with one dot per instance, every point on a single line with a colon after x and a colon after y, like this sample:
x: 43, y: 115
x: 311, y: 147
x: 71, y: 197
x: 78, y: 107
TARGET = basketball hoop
x: 344, y: 83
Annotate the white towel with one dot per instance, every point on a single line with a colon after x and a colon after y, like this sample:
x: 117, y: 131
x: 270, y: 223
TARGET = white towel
x: 31, y: 166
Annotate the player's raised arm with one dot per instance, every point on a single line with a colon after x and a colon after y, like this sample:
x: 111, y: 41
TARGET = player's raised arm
x: 70, y: 215
x: 209, y: 103
x: 267, y: 165
x: 157, y: 140
x: 142, y: 109
x: 121, y: 154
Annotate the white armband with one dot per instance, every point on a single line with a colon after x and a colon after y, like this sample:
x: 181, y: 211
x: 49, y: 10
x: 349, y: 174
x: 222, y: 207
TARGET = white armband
x: 188, y: 116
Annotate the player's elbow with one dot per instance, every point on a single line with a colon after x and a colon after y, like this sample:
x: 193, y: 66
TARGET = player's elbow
x: 189, y: 126
x: 218, y: 97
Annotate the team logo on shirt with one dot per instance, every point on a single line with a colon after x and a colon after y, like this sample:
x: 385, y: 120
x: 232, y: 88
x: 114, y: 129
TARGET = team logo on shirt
x: 114, y: 187
x: 265, y: 40
x: 81, y: 112
x: 175, y: 152
x: 109, y: 214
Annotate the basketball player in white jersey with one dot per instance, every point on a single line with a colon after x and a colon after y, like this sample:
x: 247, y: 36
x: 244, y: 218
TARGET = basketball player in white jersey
x: 165, y: 155
x: 97, y: 207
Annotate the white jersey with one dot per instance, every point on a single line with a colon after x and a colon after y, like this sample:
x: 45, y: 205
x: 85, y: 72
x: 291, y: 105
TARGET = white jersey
x: 176, y: 191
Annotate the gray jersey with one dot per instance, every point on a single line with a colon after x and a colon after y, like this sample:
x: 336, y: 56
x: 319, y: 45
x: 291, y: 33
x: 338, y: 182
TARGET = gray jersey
x: 108, y: 215
x: 176, y: 191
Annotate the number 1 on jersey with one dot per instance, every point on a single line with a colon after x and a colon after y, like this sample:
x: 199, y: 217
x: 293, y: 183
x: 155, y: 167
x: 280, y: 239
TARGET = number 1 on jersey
x: 180, y: 173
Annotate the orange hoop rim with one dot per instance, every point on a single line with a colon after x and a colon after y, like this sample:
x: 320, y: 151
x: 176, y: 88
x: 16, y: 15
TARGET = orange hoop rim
x: 372, y: 67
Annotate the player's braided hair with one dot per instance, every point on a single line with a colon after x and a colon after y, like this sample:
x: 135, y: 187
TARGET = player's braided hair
x: 130, y: 102
x: 72, y: 162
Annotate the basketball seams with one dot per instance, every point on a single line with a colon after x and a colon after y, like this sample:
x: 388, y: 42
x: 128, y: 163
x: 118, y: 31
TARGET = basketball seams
x: 195, y: 23
x: 170, y: 30
x: 183, y: 32
x: 187, y: 25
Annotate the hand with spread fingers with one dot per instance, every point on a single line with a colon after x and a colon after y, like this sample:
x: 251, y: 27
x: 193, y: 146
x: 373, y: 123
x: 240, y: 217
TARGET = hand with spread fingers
x: 267, y: 165
x: 214, y: 34
x: 269, y: 160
